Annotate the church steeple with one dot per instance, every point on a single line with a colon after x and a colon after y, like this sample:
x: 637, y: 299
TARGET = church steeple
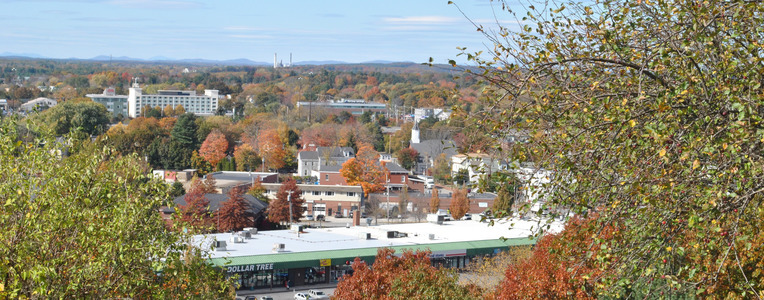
x: 415, y: 133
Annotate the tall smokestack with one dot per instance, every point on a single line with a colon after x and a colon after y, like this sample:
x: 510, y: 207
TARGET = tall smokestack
x: 275, y: 61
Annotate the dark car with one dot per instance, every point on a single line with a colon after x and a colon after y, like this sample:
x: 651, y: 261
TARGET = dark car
x: 338, y: 215
x: 320, y: 218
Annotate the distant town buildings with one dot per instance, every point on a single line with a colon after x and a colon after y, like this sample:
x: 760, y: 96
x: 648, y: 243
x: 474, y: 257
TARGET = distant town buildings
x: 38, y: 104
x: 115, y: 104
x: 202, y: 105
x: 353, y: 106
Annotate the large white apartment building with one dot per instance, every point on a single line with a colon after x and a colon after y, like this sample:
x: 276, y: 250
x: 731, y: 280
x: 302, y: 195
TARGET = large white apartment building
x: 202, y: 105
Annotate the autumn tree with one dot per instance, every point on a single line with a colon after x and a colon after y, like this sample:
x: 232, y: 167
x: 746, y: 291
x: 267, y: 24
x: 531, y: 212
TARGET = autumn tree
x: 246, y: 158
x: 365, y: 170
x: 409, y: 275
x: 168, y: 111
x: 195, y: 214
x: 85, y: 226
x: 407, y: 157
x: 271, y: 149
x: 649, y: 114
x: 434, y: 201
x: 403, y: 201
x: 505, y: 199
x: 278, y: 209
x: 235, y: 213
x: 214, y: 147
x: 460, y: 204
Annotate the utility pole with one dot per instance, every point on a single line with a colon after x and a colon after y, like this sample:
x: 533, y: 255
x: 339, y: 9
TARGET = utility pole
x: 289, y: 200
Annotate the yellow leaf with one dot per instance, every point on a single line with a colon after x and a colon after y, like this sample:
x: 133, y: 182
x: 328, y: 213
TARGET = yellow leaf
x: 724, y: 146
x: 695, y: 164
x: 662, y: 153
x: 632, y: 123
x: 668, y: 248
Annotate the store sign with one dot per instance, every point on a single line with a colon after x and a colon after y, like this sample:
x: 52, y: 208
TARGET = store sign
x: 250, y: 268
x: 482, y: 204
x: 448, y: 253
x: 325, y: 262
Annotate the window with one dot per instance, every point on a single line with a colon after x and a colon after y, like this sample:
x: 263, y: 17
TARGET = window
x: 351, y: 194
x: 327, y: 177
x: 403, y: 179
x: 316, y: 193
x: 329, y: 193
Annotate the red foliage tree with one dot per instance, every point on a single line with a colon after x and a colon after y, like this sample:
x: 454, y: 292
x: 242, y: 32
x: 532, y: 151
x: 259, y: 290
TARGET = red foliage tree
x: 195, y: 213
x: 407, y: 157
x: 278, y: 209
x: 408, y: 276
x: 271, y: 148
x: 235, y: 213
x: 214, y: 147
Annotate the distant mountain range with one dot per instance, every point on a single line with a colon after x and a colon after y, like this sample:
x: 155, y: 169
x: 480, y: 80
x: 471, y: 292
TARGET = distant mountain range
x: 238, y: 61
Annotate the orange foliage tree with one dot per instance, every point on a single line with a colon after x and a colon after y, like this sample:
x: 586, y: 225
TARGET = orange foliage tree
x: 365, y: 170
x: 434, y: 201
x: 246, y: 158
x: 460, y: 205
x: 408, y: 276
x: 235, y: 213
x: 271, y: 148
x: 559, y: 266
x: 214, y: 147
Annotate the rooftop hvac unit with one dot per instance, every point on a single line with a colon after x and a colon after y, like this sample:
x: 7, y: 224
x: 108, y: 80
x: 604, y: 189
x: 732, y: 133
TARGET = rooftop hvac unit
x: 431, y: 236
x: 245, y: 234
x: 237, y: 239
x: 392, y: 234
x: 252, y: 230
x: 365, y: 235
x: 219, y: 245
x: 279, y: 248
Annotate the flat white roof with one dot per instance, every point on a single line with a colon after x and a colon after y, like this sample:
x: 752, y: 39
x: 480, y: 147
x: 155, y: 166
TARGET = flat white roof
x: 339, y: 238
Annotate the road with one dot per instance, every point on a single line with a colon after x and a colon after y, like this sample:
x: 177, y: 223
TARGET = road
x: 281, y: 294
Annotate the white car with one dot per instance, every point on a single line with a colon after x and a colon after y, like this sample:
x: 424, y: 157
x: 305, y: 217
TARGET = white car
x: 301, y: 296
x: 316, y: 294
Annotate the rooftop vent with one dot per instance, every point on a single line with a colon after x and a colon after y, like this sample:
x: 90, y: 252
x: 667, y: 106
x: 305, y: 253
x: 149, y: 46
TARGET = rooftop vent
x: 219, y: 245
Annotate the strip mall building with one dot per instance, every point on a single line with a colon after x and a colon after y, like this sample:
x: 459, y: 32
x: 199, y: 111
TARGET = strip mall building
x: 269, y: 259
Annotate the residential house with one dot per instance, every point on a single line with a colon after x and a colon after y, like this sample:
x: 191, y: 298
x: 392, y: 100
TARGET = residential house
x: 310, y: 161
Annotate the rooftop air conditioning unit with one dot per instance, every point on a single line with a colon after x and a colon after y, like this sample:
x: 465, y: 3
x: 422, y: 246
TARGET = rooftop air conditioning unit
x: 219, y: 245
x: 237, y: 239
x: 252, y: 230
x: 431, y: 236
x: 365, y: 235
x: 392, y: 234
x: 245, y: 234
x: 279, y: 248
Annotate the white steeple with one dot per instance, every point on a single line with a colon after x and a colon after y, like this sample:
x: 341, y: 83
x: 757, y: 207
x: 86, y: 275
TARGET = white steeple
x: 415, y: 133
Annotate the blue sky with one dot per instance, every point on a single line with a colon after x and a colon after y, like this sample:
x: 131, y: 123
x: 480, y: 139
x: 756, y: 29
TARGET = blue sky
x: 349, y: 30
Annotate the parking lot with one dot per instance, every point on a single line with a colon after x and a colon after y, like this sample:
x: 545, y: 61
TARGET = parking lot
x: 282, y: 293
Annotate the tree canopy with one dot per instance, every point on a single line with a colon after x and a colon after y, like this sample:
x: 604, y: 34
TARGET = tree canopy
x: 649, y: 114
x: 86, y: 226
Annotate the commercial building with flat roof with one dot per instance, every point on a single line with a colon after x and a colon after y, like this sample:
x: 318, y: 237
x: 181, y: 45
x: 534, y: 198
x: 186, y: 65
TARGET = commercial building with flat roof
x: 353, y: 106
x: 267, y: 259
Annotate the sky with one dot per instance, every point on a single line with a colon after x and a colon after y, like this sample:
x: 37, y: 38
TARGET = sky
x: 352, y: 31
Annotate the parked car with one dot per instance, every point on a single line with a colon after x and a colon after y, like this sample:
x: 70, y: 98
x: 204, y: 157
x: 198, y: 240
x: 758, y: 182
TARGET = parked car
x: 338, y: 215
x: 309, y: 218
x: 301, y: 296
x: 316, y: 294
x: 467, y: 216
x: 266, y: 298
x: 350, y: 215
x: 320, y: 218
